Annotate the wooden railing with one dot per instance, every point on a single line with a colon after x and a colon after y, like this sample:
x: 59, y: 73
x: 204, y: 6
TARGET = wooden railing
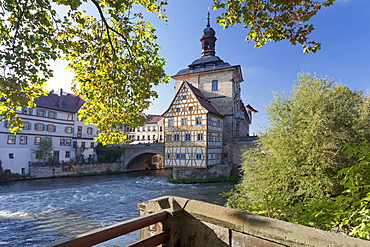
x: 104, y: 234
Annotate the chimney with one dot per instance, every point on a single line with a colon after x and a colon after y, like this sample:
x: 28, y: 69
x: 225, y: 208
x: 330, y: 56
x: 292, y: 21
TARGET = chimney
x: 60, y: 98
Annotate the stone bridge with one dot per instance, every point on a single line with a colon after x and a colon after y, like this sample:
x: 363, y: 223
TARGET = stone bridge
x: 137, y: 155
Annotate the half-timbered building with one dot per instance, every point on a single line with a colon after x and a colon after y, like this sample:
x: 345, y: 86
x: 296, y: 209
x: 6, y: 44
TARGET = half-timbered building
x: 193, y: 130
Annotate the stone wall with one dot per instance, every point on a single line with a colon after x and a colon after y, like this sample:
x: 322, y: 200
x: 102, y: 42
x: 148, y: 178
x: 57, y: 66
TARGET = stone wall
x: 48, y: 171
x: 198, y: 224
x: 201, y: 173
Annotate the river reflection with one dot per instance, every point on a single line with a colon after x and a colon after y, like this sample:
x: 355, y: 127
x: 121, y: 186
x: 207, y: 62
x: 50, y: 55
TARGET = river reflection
x: 38, y: 212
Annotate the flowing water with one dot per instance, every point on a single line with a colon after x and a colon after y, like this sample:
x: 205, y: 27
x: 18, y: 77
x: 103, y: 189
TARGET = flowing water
x: 42, y: 211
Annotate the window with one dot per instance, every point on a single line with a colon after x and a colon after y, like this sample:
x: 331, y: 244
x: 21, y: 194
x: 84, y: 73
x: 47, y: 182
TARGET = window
x: 199, y: 156
x: 68, y: 142
x: 74, y: 144
x: 182, y: 156
x: 127, y: 129
x: 168, y: 156
x: 11, y: 156
x: 176, y: 137
x: 48, y: 139
x: 200, y: 137
x: 187, y: 137
x: 70, y: 117
x: 37, y: 140
x: 219, y: 123
x: 214, y: 85
x: 148, y: 128
x: 218, y: 138
x: 92, y: 145
x: 62, y: 142
x: 23, y: 140
x: 51, y: 128
x: 83, y: 144
x: 170, y: 123
x: 69, y: 130
x: 143, y: 128
x: 23, y: 171
x: 183, y: 121
x: 177, y: 109
x: 225, y: 155
x: 40, y: 113
x: 160, y: 128
x: 52, y: 114
x: 168, y: 138
x: 198, y: 120
x: 68, y: 154
x: 190, y: 108
x: 148, y: 137
x: 89, y: 131
x: 11, y: 139
x: 39, y: 126
x: 184, y: 97
x: 26, y: 125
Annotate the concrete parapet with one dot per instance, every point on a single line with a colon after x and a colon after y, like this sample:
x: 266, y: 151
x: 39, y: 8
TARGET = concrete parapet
x: 194, y: 223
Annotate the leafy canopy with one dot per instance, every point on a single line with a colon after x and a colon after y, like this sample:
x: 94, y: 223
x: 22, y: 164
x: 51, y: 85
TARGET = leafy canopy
x: 273, y: 20
x: 114, y: 53
x: 300, y: 160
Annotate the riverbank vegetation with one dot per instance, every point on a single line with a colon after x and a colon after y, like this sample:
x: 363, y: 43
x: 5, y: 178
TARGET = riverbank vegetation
x: 231, y: 178
x: 311, y: 166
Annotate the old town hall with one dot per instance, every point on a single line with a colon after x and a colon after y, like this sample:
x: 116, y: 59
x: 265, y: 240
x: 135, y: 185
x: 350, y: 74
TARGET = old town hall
x: 206, y: 113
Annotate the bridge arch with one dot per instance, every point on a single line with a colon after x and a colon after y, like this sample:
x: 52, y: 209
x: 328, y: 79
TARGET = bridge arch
x: 143, y: 156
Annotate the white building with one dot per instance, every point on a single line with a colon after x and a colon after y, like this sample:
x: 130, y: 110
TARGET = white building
x: 151, y: 132
x: 54, y: 117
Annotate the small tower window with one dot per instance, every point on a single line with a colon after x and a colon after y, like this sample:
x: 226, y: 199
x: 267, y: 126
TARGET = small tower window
x: 214, y: 85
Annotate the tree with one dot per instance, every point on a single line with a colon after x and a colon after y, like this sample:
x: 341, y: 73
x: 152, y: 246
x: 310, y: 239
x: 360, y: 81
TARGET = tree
x: 114, y: 54
x: 300, y: 160
x: 44, y: 150
x: 109, y: 154
x: 273, y: 20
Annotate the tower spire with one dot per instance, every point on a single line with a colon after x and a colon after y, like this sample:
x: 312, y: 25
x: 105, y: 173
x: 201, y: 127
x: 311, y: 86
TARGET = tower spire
x: 208, y: 39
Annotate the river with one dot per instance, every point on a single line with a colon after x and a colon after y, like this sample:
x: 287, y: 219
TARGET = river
x: 42, y: 211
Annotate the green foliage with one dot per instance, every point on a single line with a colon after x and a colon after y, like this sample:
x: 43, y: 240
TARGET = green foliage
x: 44, y: 150
x: 108, y: 154
x: 114, y: 56
x: 300, y: 170
x: 273, y: 20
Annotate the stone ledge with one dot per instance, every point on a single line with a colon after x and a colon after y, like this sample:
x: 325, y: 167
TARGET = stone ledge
x: 267, y: 229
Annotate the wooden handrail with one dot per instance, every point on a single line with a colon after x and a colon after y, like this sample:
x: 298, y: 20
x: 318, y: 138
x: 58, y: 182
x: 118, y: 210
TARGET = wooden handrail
x: 104, y: 234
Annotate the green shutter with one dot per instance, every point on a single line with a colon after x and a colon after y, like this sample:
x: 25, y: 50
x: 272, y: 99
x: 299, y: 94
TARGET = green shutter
x: 55, y: 128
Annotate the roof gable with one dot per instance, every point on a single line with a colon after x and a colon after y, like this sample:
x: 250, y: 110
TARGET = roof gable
x: 192, y: 97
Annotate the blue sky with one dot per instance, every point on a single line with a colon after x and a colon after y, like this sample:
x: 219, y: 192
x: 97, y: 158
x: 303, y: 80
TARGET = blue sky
x: 343, y: 29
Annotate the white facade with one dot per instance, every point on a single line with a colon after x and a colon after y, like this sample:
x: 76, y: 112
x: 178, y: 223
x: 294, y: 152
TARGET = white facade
x: 151, y: 132
x: 47, y: 120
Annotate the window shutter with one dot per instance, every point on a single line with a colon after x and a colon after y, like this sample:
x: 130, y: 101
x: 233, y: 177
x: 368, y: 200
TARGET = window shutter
x: 47, y: 113
x: 73, y: 130
x: 35, y: 126
x: 43, y: 126
x: 55, y: 115
x: 31, y: 110
x: 55, y: 128
x: 37, y: 112
x: 6, y: 122
x: 29, y: 126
